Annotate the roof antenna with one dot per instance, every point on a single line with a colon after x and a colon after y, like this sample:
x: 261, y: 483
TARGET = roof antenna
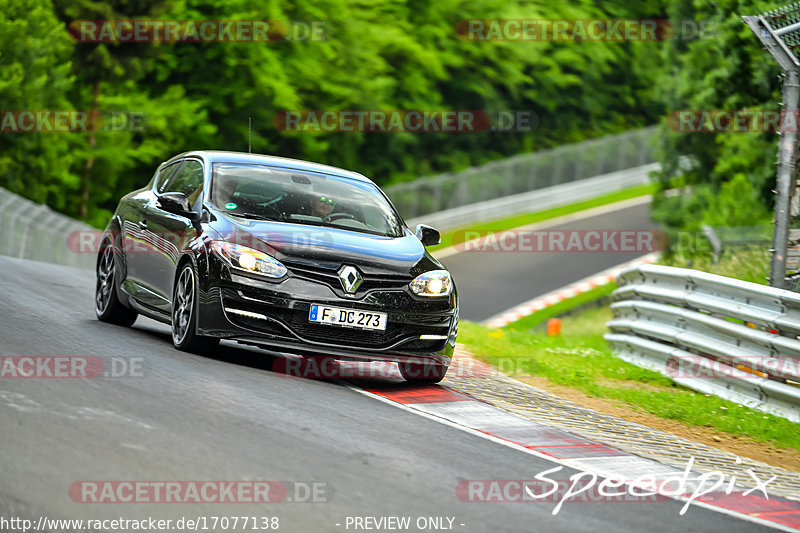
x: 249, y: 135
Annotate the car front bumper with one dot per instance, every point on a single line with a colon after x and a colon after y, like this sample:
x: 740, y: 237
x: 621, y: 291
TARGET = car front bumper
x: 249, y: 309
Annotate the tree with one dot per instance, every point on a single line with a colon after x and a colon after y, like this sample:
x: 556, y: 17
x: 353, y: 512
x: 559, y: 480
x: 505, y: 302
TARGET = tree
x: 726, y: 70
x: 35, y: 61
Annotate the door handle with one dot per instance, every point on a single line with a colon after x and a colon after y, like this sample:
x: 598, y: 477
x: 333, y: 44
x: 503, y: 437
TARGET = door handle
x: 143, y: 224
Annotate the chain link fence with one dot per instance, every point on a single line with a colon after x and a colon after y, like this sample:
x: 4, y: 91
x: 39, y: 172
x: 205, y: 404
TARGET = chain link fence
x: 727, y: 239
x: 34, y: 231
x: 523, y: 173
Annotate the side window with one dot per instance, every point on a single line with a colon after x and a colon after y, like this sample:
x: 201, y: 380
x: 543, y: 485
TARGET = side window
x: 165, y: 174
x: 188, y: 180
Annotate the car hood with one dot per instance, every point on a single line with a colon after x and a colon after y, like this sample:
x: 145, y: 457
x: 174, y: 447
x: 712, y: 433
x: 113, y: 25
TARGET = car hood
x: 328, y: 247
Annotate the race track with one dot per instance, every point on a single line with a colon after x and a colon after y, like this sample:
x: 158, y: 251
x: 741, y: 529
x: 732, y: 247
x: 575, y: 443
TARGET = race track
x: 229, y: 417
x: 490, y: 282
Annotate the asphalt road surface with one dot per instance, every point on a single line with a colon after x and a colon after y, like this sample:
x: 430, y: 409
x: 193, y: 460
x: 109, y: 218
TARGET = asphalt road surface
x: 229, y: 417
x: 490, y: 282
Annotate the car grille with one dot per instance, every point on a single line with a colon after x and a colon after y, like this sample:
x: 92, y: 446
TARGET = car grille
x: 330, y: 277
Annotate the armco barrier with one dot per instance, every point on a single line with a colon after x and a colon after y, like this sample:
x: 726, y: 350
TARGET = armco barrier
x: 717, y: 335
x: 34, y: 231
x: 538, y: 200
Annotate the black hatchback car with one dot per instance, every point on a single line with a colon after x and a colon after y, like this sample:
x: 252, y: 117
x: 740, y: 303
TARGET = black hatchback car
x: 291, y: 256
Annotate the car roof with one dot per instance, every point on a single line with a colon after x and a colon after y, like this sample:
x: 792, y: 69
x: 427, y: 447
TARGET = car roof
x: 219, y: 156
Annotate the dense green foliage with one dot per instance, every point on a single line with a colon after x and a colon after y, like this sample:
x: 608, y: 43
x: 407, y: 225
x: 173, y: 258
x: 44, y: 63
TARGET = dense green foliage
x: 732, y: 173
x: 386, y: 54
x: 381, y: 55
x: 35, y: 56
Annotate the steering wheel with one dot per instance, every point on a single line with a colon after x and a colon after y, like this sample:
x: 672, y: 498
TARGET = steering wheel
x: 334, y: 216
x: 274, y: 200
x: 272, y: 205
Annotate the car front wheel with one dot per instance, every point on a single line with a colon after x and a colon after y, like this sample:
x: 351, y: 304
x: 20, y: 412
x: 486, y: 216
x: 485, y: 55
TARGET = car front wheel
x: 184, y: 307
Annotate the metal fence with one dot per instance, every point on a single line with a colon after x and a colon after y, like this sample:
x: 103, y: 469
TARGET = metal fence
x: 717, y: 335
x: 34, y: 231
x: 537, y: 200
x: 523, y: 173
x: 720, y: 239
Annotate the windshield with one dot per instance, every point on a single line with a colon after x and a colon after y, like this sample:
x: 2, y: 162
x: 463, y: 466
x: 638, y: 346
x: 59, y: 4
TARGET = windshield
x: 262, y: 192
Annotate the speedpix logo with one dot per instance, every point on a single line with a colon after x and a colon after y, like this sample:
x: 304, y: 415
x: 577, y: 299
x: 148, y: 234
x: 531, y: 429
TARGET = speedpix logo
x: 589, y: 487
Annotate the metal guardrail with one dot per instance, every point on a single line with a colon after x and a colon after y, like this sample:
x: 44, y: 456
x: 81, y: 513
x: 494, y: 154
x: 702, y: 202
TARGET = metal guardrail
x: 717, y: 335
x: 34, y: 231
x: 523, y: 173
x: 538, y: 200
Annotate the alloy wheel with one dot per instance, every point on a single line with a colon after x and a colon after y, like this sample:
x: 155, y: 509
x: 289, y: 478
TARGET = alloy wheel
x: 182, y: 305
x: 105, y: 280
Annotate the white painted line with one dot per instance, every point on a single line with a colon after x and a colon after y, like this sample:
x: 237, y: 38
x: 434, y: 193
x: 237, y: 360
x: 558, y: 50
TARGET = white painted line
x: 580, y: 464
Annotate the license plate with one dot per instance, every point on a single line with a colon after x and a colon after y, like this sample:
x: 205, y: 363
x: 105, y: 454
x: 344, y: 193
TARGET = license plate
x: 352, y: 318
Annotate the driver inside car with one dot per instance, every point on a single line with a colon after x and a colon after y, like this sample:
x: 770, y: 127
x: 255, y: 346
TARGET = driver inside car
x: 323, y: 206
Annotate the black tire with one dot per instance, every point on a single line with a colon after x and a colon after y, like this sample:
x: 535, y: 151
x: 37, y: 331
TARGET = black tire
x: 423, y: 373
x: 107, y: 306
x: 184, y: 307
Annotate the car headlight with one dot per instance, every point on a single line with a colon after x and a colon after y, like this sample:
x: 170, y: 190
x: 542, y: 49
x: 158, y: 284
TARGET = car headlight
x: 432, y: 283
x: 248, y: 259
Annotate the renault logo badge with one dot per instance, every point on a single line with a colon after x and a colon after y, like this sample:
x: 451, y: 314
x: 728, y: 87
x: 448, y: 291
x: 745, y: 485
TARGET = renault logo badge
x: 351, y: 278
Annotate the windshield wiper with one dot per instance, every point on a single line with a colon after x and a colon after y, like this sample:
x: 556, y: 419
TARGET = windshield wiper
x: 253, y: 216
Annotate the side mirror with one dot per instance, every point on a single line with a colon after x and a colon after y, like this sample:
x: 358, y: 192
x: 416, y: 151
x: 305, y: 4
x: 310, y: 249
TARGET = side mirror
x: 427, y: 235
x: 177, y: 203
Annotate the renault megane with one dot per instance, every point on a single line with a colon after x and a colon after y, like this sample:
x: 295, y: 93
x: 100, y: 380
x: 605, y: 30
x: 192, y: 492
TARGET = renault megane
x: 288, y: 255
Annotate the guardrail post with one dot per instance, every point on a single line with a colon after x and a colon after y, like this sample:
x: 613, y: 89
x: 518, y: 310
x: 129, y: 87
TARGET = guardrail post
x: 787, y: 158
x: 716, y: 243
x: 772, y: 40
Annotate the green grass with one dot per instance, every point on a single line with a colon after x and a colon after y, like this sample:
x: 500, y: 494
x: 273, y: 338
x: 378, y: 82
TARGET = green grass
x: 457, y: 236
x: 745, y: 263
x: 564, y: 306
x: 581, y: 359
